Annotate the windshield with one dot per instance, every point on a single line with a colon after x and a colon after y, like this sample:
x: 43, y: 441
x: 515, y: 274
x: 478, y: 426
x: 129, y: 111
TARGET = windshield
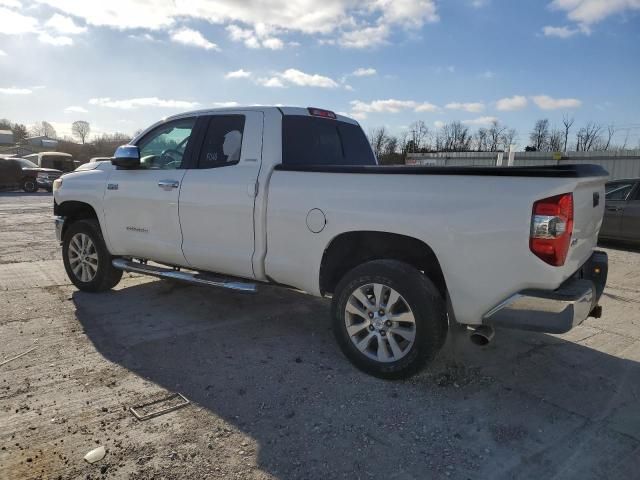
x: 24, y: 163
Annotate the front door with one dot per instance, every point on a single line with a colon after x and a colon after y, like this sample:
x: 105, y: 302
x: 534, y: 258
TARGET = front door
x: 217, y: 198
x: 141, y: 205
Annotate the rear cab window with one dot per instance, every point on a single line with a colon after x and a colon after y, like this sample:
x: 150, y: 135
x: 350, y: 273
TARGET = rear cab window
x: 308, y: 140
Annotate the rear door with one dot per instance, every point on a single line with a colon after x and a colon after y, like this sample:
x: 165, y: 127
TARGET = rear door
x: 615, y: 199
x: 630, y: 229
x: 217, y: 198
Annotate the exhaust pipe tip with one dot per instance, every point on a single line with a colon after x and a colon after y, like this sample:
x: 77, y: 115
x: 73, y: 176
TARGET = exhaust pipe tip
x: 482, y: 335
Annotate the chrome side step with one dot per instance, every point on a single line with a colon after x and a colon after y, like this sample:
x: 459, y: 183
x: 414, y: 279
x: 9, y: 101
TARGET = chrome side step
x: 193, y: 278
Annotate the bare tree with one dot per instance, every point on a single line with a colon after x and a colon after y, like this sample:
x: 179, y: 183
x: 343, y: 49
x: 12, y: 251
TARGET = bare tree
x: 556, y: 140
x: 42, y: 129
x: 81, y: 129
x: 455, y: 137
x: 611, y: 131
x: 588, y: 136
x: 509, y: 137
x: 539, y: 136
x: 418, y: 135
x: 378, y: 138
x: 495, y: 136
x: 481, y: 140
x: 568, y: 123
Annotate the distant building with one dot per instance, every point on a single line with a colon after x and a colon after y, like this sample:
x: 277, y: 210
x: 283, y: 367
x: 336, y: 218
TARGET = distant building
x: 6, y: 137
x: 42, y: 141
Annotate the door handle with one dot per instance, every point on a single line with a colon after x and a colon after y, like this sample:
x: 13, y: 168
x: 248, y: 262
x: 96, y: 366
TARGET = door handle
x: 168, y: 184
x: 614, y: 209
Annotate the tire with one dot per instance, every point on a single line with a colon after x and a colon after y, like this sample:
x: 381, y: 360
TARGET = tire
x: 97, y: 260
x: 416, y: 296
x: 29, y: 185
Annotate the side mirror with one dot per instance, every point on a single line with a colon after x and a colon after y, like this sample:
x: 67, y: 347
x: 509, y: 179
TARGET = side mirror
x: 126, y: 156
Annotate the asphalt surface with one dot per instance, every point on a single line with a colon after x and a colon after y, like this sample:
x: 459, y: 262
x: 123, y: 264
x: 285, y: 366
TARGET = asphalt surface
x: 272, y: 396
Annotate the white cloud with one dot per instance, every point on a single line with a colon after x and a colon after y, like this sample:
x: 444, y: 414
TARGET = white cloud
x: 390, y: 106
x: 62, y: 24
x: 14, y: 23
x: 225, y: 104
x: 15, y: 91
x: 259, y: 37
x: 365, y: 37
x: 508, y: 104
x: 349, y: 22
x: 147, y: 37
x: 238, y: 74
x: 56, y: 41
x: 272, y: 43
x: 473, y: 107
x: 132, y: 103
x: 75, y: 109
x: 364, y: 72
x: 545, y: 102
x: 3, y: 53
x: 426, y: 107
x: 291, y: 76
x: 560, y: 32
x: 10, y: 3
x: 271, y: 82
x: 480, y: 121
x: 296, y: 77
x: 487, y: 75
x: 439, y: 124
x: 588, y: 12
x: 193, y: 38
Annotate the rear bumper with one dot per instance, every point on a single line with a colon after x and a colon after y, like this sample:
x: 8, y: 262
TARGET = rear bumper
x: 556, y: 311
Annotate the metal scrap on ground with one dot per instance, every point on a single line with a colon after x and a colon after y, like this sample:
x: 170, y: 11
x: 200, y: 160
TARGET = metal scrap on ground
x: 138, y: 410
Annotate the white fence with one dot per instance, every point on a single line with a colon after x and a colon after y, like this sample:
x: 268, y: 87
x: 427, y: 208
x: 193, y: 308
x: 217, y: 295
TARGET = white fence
x: 618, y: 164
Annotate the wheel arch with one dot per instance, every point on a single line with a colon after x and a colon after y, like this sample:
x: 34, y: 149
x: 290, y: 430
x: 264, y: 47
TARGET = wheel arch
x: 350, y: 249
x: 73, y: 211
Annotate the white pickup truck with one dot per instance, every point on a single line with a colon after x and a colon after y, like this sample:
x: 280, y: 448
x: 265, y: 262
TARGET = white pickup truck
x: 293, y: 196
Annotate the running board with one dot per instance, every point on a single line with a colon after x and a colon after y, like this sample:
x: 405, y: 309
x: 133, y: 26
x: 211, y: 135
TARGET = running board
x: 193, y: 278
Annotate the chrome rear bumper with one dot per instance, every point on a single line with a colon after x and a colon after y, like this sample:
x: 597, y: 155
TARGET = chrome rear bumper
x: 556, y: 311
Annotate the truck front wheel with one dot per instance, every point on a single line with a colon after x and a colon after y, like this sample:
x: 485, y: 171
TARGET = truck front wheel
x: 86, y: 258
x: 29, y: 185
x: 388, y: 318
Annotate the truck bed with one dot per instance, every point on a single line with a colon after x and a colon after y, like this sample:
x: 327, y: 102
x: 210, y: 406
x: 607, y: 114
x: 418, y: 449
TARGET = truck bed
x: 553, y: 171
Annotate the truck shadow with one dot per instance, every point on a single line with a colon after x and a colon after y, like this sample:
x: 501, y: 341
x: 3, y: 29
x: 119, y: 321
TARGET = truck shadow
x: 528, y: 406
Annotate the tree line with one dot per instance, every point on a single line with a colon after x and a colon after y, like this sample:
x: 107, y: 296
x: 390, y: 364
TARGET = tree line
x: 80, y: 144
x: 496, y: 137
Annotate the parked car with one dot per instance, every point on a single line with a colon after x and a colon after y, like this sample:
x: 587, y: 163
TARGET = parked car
x: 24, y: 174
x: 294, y: 197
x: 99, y: 159
x: 56, y: 160
x: 622, y: 211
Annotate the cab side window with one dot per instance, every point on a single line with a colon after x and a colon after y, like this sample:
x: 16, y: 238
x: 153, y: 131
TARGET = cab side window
x: 164, y: 147
x: 222, y: 143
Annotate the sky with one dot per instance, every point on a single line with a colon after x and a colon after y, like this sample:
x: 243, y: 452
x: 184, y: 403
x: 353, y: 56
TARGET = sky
x: 122, y: 65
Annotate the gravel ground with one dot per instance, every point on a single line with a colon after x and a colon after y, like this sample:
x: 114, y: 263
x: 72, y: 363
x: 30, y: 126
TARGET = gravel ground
x: 272, y: 396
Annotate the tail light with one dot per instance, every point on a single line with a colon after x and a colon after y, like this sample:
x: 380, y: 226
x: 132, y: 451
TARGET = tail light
x: 551, y: 228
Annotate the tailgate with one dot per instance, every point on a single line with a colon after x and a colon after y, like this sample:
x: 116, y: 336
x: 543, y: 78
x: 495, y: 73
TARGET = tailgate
x: 588, y: 208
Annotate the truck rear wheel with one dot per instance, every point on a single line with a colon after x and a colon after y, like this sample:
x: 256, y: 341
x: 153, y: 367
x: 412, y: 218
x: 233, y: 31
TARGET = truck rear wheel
x: 388, y: 318
x: 86, y: 258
